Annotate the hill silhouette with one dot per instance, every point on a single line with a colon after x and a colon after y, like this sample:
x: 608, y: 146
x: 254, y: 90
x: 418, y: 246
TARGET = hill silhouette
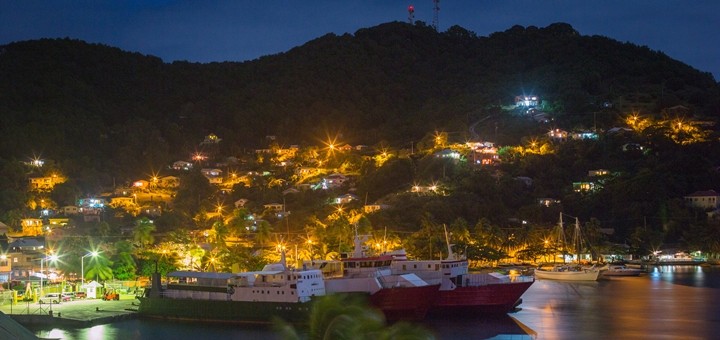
x: 97, y: 107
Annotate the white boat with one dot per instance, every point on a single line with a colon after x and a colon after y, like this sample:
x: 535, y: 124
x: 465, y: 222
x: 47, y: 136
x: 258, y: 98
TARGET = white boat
x: 621, y: 270
x: 568, y: 273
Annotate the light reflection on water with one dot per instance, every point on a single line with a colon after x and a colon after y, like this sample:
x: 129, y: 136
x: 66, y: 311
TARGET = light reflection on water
x: 668, y: 302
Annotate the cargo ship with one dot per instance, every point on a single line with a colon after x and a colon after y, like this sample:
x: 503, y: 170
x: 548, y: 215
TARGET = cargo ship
x: 247, y: 297
x: 462, y: 292
x: 399, y: 297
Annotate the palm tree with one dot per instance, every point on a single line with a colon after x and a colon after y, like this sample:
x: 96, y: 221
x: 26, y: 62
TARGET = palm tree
x: 100, y: 268
x: 142, y: 233
x: 263, y: 233
x: 340, y: 316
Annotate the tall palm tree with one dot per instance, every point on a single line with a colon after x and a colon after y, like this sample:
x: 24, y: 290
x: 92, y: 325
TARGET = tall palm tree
x: 142, y: 233
x: 99, y: 268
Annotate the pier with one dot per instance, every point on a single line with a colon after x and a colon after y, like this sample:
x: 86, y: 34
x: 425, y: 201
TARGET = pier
x: 78, y: 313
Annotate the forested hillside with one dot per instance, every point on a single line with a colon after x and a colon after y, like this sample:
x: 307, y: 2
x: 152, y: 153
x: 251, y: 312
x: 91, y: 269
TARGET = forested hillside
x: 112, y: 110
x: 105, y: 116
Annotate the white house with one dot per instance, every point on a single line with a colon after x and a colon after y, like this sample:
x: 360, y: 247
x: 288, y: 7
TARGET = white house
x: 708, y: 199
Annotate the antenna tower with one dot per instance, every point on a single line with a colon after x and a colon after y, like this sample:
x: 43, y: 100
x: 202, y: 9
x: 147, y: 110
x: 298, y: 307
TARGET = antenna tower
x: 411, y: 14
x: 436, y: 11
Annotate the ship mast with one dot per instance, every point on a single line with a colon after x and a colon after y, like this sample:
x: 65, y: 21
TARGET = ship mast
x: 451, y: 256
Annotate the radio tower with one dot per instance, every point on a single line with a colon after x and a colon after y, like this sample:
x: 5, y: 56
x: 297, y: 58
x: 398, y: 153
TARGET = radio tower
x: 436, y: 10
x: 411, y: 14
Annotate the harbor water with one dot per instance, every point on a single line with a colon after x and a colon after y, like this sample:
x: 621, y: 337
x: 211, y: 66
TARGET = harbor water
x: 668, y: 302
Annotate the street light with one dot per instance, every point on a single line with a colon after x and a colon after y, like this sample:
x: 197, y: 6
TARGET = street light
x: 42, y: 262
x: 82, y: 266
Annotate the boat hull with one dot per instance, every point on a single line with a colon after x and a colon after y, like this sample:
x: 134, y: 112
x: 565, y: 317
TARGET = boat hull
x: 582, y: 275
x: 497, y: 298
x: 405, y: 303
x: 621, y: 273
x: 223, y: 311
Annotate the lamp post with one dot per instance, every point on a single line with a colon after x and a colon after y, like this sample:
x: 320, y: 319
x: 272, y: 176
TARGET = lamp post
x: 42, y: 262
x: 82, y: 266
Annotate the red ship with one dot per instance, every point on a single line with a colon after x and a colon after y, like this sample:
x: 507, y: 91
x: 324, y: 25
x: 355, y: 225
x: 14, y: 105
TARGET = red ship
x: 462, y: 292
x: 398, y: 296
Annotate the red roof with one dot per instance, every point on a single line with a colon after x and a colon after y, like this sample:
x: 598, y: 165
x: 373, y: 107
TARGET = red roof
x: 704, y: 193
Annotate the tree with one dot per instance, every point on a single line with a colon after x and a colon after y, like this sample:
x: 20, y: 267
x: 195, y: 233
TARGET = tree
x: 124, y: 266
x: 142, y: 233
x: 341, y: 316
x: 99, y: 268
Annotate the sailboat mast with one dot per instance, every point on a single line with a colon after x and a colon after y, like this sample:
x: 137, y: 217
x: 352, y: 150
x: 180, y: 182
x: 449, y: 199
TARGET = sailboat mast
x: 577, y: 238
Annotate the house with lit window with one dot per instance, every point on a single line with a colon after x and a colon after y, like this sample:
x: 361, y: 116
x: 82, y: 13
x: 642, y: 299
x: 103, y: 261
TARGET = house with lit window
x: 213, y: 175
x: 31, y: 226
x: 182, y: 165
x: 548, y: 202
x: 583, y: 186
x: 211, y: 139
x: 527, y: 101
x: 45, y: 183
x: 598, y: 172
x: 558, y: 135
x: 334, y: 181
x: 274, y: 206
x: 344, y: 199
x: 706, y: 200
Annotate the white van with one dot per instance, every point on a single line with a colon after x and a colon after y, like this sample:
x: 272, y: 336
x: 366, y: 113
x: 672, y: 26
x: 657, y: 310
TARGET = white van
x: 50, y: 298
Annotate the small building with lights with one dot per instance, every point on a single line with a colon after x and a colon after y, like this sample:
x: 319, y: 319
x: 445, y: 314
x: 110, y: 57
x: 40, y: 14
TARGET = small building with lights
x: 707, y: 199
x: 527, y: 101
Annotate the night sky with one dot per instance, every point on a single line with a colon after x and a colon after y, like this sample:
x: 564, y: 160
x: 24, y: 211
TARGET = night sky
x: 236, y: 30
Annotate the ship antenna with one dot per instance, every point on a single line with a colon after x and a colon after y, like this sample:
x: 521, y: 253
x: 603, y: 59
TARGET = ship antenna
x: 436, y: 11
x: 358, y: 251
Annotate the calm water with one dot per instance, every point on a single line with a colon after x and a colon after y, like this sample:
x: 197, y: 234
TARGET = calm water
x: 680, y: 302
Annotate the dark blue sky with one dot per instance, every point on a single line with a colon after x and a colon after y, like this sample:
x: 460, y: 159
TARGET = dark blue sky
x: 237, y: 30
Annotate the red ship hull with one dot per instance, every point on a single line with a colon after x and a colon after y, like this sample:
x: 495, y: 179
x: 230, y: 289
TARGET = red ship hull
x: 405, y: 303
x: 499, y: 298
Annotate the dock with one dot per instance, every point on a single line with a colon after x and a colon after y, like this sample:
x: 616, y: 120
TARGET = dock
x: 78, y: 313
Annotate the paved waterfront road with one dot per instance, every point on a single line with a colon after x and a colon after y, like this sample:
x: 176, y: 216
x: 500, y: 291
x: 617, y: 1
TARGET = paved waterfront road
x: 84, y: 310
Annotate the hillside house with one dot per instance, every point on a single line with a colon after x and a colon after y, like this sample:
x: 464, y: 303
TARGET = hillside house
x: 241, y: 202
x: 583, y: 186
x: 548, y: 202
x: 334, y: 181
x: 598, y: 172
x: 371, y: 208
x: 182, y: 165
x: 45, y: 183
x: 344, y: 199
x: 558, y: 135
x: 707, y: 200
x: 527, y: 101
x: 69, y: 210
x: 274, y: 206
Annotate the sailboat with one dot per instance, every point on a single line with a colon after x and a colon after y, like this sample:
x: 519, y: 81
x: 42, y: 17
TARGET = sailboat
x: 570, y: 272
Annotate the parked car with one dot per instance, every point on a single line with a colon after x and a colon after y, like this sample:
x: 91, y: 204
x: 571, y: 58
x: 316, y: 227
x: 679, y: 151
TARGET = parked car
x: 67, y: 296
x: 50, y: 298
x: 80, y: 295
